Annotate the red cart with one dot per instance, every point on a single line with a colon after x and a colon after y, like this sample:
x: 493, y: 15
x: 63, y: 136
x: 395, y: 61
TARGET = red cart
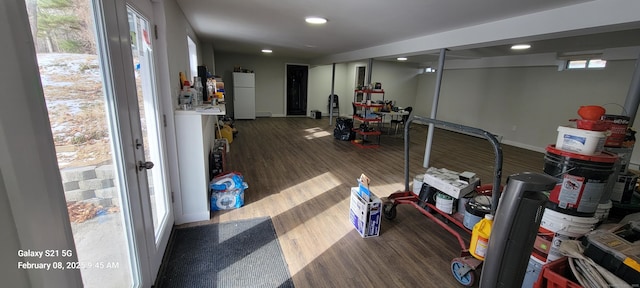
x: 463, y: 268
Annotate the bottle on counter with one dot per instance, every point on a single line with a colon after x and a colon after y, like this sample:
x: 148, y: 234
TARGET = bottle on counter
x: 211, y: 90
x: 197, y: 92
x: 186, y: 96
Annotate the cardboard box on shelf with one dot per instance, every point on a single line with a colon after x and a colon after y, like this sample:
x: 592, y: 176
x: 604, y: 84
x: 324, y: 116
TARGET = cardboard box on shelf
x: 448, y: 182
x: 365, y: 215
x: 219, y: 85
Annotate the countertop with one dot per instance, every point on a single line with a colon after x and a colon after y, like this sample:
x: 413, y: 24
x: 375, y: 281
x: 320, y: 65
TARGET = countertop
x: 219, y: 109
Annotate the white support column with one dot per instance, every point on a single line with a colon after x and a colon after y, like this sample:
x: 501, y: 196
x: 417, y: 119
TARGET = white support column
x: 369, y: 71
x: 333, y: 82
x: 633, y: 96
x: 434, y: 108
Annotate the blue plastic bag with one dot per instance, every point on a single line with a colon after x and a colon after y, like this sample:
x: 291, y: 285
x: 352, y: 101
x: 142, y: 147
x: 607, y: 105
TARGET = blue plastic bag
x: 227, y: 191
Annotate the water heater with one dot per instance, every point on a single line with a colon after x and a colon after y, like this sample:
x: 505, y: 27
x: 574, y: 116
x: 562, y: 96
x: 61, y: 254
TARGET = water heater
x: 514, y: 229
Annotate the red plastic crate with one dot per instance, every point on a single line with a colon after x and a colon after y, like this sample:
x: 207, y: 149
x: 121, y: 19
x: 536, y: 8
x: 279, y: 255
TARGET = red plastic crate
x: 553, y: 274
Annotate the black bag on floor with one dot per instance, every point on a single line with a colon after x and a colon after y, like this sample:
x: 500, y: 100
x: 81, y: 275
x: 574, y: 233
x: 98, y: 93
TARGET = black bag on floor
x: 343, y: 130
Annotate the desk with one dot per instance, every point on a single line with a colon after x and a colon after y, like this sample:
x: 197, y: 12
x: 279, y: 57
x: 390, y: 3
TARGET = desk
x: 393, y: 114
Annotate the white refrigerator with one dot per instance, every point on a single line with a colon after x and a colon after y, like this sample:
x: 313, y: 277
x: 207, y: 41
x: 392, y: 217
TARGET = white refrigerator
x: 244, y: 95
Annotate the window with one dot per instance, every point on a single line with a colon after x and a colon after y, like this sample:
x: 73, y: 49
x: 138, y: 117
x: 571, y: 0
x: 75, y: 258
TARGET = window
x: 576, y: 64
x: 193, y: 59
x: 427, y: 70
x: 586, y: 64
x: 597, y: 63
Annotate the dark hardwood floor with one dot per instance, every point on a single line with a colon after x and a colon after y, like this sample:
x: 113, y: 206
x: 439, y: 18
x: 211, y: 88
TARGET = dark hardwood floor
x: 300, y: 176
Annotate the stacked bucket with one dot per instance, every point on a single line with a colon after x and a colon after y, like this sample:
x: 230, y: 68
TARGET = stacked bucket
x: 586, y: 165
x: 621, y: 143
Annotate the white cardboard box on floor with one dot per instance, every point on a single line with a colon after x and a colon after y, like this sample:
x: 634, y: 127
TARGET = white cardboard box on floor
x: 365, y: 215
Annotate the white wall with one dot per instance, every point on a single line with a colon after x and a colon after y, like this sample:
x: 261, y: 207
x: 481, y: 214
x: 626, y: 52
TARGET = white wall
x: 207, y: 59
x: 320, y: 88
x: 173, y: 59
x: 525, y: 105
x: 270, y: 75
x: 10, y: 242
x: 33, y: 209
x: 177, y: 29
x: 398, y: 80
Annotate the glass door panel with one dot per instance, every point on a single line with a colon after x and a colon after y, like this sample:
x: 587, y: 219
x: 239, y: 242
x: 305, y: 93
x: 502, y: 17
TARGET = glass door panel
x: 89, y: 131
x: 148, y: 134
x: 150, y: 118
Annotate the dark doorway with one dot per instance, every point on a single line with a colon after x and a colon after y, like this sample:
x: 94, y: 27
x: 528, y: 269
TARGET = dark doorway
x: 297, y: 76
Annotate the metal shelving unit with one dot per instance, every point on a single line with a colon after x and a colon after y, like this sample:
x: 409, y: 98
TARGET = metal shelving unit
x: 366, y: 117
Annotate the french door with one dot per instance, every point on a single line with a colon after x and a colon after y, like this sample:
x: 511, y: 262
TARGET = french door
x: 154, y: 185
x: 100, y: 87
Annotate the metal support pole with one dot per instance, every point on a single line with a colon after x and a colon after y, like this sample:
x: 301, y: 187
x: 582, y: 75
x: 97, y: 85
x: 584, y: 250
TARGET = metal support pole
x: 434, y: 108
x: 633, y: 96
x: 333, y: 83
x: 369, y: 72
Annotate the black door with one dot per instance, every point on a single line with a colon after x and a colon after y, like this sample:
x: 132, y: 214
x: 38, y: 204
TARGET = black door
x: 297, y: 76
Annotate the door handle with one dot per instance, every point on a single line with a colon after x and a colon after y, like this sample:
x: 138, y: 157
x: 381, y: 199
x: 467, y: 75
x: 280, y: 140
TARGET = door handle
x: 144, y: 165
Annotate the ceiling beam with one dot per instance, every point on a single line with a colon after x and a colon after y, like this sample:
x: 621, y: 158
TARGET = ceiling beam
x: 579, y: 19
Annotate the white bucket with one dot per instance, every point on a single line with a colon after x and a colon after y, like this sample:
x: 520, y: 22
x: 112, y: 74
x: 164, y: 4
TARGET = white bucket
x: 444, y: 203
x: 557, y: 227
x: 580, y: 141
x: 533, y: 271
x: 602, y: 212
x: 417, y: 184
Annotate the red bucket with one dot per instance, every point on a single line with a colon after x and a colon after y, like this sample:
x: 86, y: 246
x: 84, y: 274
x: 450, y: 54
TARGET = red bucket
x: 618, y: 125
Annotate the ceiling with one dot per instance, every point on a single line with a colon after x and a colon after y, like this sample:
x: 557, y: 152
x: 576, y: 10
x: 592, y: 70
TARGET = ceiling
x: 357, y: 25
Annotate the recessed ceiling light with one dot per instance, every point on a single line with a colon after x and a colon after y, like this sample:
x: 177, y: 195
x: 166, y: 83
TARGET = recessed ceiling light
x: 267, y: 51
x: 402, y: 59
x: 520, y: 46
x: 315, y: 20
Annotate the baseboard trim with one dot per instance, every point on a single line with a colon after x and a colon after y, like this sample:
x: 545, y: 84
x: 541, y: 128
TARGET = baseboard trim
x: 500, y: 139
x: 525, y: 146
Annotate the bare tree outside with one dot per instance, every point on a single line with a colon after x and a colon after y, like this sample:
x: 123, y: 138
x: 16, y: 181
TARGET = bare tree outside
x: 63, y: 26
x: 32, y: 6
